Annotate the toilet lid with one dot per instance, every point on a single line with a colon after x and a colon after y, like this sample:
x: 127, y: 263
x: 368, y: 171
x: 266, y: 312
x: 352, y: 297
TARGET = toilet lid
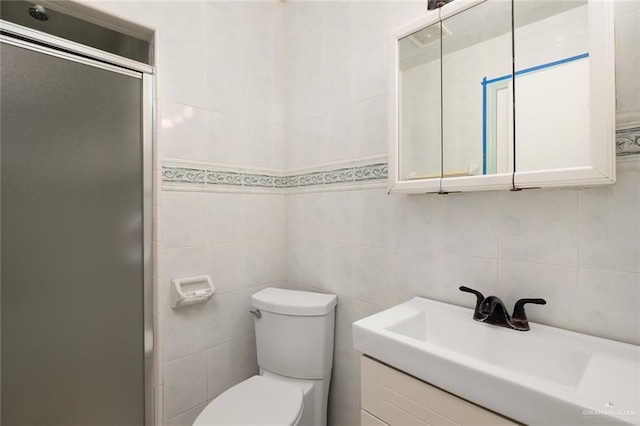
x: 256, y: 401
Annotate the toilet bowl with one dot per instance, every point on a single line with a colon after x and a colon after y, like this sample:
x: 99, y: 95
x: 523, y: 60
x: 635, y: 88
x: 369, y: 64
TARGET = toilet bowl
x: 256, y: 401
x: 294, y: 341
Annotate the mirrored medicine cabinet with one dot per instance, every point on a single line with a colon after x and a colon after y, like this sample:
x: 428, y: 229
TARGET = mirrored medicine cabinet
x: 499, y: 94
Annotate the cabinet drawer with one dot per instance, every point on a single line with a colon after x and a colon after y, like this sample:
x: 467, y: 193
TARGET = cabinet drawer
x: 399, y: 399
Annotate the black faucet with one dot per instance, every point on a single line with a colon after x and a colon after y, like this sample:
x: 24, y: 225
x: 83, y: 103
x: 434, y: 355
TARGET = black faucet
x: 492, y: 311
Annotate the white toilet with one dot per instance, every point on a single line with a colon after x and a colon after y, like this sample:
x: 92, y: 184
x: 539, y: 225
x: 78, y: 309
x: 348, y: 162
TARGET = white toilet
x: 294, y: 340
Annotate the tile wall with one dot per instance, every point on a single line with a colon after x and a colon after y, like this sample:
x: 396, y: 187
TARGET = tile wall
x: 579, y: 249
x: 221, y: 101
x: 220, y: 104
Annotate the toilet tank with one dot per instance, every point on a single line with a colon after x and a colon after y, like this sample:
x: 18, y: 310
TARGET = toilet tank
x: 294, y: 335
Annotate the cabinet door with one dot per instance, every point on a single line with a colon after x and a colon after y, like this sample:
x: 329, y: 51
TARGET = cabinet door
x: 367, y: 419
x: 416, y: 116
x: 526, y: 97
x: 477, y: 66
x: 399, y: 399
x: 564, y: 93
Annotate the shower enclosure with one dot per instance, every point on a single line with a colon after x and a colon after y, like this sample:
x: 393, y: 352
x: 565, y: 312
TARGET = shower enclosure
x: 75, y: 234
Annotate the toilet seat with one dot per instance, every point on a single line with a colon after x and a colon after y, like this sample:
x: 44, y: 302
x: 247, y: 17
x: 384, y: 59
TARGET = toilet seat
x: 256, y: 401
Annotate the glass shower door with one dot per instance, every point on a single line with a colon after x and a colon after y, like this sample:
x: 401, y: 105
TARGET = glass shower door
x: 71, y: 240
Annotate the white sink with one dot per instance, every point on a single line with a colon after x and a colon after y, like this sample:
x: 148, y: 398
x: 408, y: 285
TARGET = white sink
x: 539, y: 377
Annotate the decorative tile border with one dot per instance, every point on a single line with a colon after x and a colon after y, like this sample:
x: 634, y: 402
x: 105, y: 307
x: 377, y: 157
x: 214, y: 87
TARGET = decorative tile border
x: 207, y: 177
x: 355, y: 173
x: 342, y: 175
x: 202, y: 176
x: 628, y: 142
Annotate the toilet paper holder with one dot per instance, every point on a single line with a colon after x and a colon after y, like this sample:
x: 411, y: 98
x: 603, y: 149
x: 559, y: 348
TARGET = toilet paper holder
x: 181, y: 297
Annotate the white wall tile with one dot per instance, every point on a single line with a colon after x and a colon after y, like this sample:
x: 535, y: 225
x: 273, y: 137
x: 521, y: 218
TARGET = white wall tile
x: 622, y: 7
x: 227, y: 318
x: 182, y: 76
x: 454, y: 271
x: 340, y: 269
x: 307, y: 143
x: 229, y: 364
x: 306, y: 216
x: 339, y: 134
x: 558, y: 285
x: 412, y: 274
x: 341, y: 413
x: 340, y: 216
x: 262, y: 259
x: 184, y: 331
x: 372, y: 275
x: 277, y: 205
x: 278, y: 148
x: 338, y: 66
x: 258, y: 218
x: 609, y: 226
x: 416, y: 223
x: 180, y: 25
x: 345, y: 377
x: 187, y: 418
x: 469, y: 224
x: 375, y: 210
x: 370, y: 121
x: 224, y: 77
x: 539, y: 226
x: 184, y: 219
x: 224, y: 264
x: 137, y: 12
x: 406, y: 11
x: 225, y: 139
x: 347, y: 312
x: 185, y: 384
x: 307, y: 55
x: 224, y: 217
x: 372, y: 25
x: 306, y: 263
x: 609, y: 305
x: 183, y: 130
x: 264, y: 142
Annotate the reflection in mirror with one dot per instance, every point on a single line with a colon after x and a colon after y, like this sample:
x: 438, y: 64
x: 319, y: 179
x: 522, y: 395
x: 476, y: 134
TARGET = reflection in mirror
x: 476, y: 122
x: 419, y: 91
x: 552, y: 81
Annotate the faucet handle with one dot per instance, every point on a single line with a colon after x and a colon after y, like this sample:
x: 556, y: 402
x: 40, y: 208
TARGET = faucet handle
x: 519, y: 317
x: 479, y: 299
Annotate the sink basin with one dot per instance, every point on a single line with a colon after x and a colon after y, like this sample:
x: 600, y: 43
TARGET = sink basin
x: 542, y: 376
x: 514, y: 351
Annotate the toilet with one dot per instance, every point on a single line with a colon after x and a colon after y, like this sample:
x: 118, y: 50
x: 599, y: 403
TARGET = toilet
x: 294, y: 341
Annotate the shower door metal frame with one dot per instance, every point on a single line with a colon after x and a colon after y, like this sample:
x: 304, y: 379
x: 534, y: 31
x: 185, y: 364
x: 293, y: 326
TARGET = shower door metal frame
x: 45, y: 43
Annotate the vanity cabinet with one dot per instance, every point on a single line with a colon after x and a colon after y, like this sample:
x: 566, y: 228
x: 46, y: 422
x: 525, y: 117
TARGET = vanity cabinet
x: 391, y: 397
x: 495, y: 94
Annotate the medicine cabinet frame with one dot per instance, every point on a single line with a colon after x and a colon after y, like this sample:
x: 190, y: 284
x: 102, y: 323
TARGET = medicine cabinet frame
x: 601, y: 166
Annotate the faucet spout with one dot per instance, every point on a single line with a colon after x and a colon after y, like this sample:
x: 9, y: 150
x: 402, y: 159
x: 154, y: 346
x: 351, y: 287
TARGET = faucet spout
x: 495, y: 312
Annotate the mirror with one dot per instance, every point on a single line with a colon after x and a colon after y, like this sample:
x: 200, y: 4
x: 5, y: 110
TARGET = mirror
x: 420, y: 107
x: 476, y: 64
x: 552, y: 84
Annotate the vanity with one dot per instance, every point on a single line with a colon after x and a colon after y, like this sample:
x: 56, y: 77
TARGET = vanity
x: 429, y: 363
x: 498, y: 94
x: 391, y: 397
